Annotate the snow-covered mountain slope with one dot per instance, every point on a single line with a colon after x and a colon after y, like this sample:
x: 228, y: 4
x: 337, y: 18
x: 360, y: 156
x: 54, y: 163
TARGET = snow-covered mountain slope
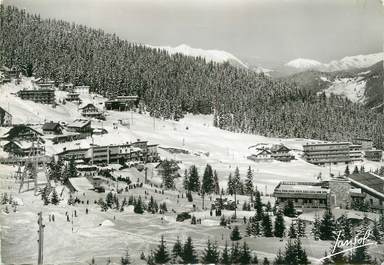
x: 209, y: 55
x: 351, y: 88
x: 363, y: 85
x: 346, y: 63
x: 353, y: 62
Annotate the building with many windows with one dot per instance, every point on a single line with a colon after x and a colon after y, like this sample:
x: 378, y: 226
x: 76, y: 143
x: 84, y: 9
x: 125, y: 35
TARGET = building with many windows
x: 331, y: 153
x: 91, y: 111
x: 336, y: 192
x: 122, y: 103
x: 366, y: 144
x: 43, y: 95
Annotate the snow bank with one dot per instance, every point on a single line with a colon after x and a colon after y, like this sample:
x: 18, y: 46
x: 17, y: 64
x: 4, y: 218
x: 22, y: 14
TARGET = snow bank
x: 129, y: 209
x: 107, y: 223
x: 209, y: 222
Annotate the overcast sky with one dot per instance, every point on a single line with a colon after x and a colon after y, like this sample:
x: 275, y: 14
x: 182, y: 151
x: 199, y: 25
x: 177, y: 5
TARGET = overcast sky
x: 266, y: 32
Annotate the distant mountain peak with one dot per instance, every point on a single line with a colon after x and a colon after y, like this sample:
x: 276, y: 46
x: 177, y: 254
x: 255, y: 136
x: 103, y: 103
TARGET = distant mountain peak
x: 302, y: 63
x: 209, y: 55
x: 346, y: 63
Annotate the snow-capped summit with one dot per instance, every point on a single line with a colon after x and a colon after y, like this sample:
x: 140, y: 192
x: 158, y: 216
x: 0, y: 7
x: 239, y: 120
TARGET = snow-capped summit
x: 302, y: 63
x: 209, y: 55
x: 346, y: 63
x: 358, y: 61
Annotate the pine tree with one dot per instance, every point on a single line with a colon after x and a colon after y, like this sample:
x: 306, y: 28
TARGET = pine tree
x: 336, y: 258
x: 344, y: 225
x: 139, y: 207
x: 292, y: 231
x: 161, y: 255
x: 346, y: 172
x: 289, y: 209
x: 316, y: 228
x: 360, y: 256
x: 225, y: 256
x: 294, y: 253
x: 237, y: 184
x: 356, y: 170
x: 216, y: 182
x: 210, y: 254
x: 376, y: 233
x: 45, y: 195
x: 258, y: 206
x: 208, y: 185
x: 248, y: 229
x: 235, y: 234
x: 230, y: 187
x: 327, y: 226
x: 249, y: 182
x: 189, y: 254
x: 255, y: 228
x: 168, y: 174
x: 186, y: 180
x: 245, y: 256
x: 55, y: 197
x: 300, y: 228
x: 177, y: 250
x: 223, y: 221
x: 109, y: 199
x: 279, y: 225
x: 268, y: 208
x: 193, y: 180
x: 235, y: 253
x: 266, y: 223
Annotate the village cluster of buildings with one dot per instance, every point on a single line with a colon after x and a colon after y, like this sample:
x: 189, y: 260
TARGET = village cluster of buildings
x: 341, y: 192
x: 24, y: 141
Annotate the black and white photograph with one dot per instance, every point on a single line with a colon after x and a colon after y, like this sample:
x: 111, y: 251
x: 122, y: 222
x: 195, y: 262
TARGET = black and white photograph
x: 152, y: 132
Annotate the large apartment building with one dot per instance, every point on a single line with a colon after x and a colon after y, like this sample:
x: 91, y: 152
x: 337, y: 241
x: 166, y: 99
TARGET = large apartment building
x: 336, y: 192
x: 44, y: 96
x: 341, y: 192
x: 332, y: 153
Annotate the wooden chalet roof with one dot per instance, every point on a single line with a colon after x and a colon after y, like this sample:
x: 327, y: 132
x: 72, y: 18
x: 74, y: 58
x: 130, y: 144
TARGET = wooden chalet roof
x: 50, y: 126
x: 89, y: 105
x: 279, y: 148
x: 17, y: 129
x: 174, y: 165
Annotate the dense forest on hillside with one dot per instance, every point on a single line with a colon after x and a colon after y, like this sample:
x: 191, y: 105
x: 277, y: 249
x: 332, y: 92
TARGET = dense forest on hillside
x: 241, y: 100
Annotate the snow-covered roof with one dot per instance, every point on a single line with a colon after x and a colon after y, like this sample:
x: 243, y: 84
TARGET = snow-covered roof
x: 23, y: 144
x: 369, y: 182
x: 79, y: 123
x: 80, y: 184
